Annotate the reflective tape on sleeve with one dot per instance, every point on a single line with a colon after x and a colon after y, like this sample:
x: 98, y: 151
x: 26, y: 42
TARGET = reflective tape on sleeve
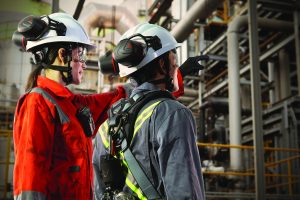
x: 103, y: 133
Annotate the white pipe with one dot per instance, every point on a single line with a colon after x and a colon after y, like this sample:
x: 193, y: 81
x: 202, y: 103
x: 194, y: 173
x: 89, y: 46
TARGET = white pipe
x: 234, y: 101
x: 201, y: 9
x: 190, y: 92
x: 101, y: 15
x: 271, y: 78
x: 234, y: 80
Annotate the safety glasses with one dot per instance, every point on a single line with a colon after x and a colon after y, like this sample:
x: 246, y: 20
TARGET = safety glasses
x: 79, y: 54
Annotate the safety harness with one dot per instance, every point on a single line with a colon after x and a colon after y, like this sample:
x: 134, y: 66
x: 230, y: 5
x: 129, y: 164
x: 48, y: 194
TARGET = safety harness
x: 117, y: 133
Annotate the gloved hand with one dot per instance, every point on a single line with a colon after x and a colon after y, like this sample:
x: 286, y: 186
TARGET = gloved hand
x: 191, y: 66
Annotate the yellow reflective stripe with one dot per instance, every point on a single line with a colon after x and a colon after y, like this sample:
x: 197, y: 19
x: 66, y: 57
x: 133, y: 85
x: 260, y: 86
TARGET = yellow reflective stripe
x: 146, y: 110
x: 135, y: 189
x: 103, y: 133
x: 129, y: 182
x: 123, y: 159
x: 138, y: 123
x: 143, y: 117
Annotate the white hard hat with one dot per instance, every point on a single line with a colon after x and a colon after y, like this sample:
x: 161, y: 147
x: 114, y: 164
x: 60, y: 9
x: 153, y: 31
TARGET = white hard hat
x: 75, y: 33
x: 168, y: 43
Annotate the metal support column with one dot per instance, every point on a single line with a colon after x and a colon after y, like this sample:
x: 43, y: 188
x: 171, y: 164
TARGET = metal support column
x: 201, y: 84
x: 297, y: 42
x: 256, y: 102
x: 55, y: 6
x: 284, y: 74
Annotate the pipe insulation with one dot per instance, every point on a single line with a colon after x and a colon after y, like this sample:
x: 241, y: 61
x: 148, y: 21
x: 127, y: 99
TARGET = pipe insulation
x: 100, y: 15
x: 201, y: 9
x: 234, y: 79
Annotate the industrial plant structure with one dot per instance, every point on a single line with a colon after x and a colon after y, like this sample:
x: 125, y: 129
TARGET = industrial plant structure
x: 246, y: 101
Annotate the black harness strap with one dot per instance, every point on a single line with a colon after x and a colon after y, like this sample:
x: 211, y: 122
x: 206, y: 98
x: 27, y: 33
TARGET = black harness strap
x: 128, y: 113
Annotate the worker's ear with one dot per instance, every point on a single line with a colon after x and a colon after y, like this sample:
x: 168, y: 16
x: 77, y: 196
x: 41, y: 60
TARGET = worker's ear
x: 62, y: 56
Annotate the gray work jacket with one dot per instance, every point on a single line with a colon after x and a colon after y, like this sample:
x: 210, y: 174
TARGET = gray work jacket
x: 165, y: 147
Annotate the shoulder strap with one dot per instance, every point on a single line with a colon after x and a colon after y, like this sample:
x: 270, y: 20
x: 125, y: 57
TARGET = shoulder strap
x: 139, y: 105
x: 62, y: 116
x: 131, y: 111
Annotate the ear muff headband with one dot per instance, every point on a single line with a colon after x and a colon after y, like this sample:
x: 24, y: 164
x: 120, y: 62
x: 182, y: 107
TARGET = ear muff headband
x: 131, y: 52
x: 32, y: 28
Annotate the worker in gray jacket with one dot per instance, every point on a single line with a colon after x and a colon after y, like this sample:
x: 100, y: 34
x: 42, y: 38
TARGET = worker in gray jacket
x: 160, y: 158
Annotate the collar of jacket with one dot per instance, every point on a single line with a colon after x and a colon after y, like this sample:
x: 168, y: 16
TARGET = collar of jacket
x: 54, y: 87
x: 145, y: 87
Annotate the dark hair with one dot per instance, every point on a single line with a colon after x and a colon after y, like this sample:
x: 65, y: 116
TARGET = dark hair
x: 149, y: 71
x: 50, y: 53
x: 32, y: 78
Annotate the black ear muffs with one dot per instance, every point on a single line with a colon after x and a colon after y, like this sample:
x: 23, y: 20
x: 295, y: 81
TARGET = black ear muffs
x: 129, y: 53
x: 108, y: 65
x: 32, y: 28
x: 19, y: 40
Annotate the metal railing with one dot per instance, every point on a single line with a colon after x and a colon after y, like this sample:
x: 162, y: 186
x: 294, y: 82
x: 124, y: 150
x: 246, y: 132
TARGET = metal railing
x: 293, y: 177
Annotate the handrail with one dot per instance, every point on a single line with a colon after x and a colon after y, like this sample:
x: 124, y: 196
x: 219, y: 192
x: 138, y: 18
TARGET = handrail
x: 247, y: 147
x: 291, y: 179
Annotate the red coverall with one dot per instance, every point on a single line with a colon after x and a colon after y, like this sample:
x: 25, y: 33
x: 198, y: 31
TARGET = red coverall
x: 53, y: 160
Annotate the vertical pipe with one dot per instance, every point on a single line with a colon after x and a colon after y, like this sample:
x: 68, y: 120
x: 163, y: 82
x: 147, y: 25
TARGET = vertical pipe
x: 256, y: 102
x: 234, y: 77
x: 200, y: 136
x: 277, y: 83
x: 201, y: 85
x: 234, y: 101
x: 271, y: 78
x: 200, y: 9
x: 284, y: 73
x: 297, y: 44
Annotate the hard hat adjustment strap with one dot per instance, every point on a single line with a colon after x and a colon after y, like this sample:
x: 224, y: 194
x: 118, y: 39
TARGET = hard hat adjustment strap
x: 69, y: 78
x: 55, y: 67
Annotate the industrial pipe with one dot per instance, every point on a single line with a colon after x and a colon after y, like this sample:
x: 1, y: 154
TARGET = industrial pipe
x: 234, y: 79
x: 201, y: 9
x: 100, y: 15
x: 220, y: 104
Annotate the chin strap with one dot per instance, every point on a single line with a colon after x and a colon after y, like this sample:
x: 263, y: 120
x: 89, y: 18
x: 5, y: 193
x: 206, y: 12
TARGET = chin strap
x: 62, y: 69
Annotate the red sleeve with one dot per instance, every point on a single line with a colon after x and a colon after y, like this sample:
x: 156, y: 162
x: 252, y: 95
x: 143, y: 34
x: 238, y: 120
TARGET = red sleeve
x: 33, y: 141
x: 100, y: 103
x: 180, y: 91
